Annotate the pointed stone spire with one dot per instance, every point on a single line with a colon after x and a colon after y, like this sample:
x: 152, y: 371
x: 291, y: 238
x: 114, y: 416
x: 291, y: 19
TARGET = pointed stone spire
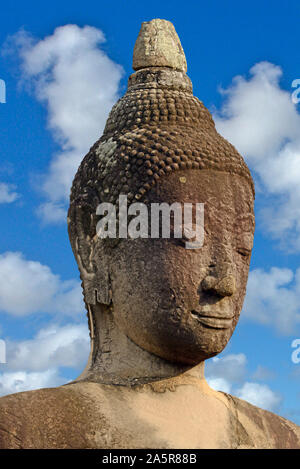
x: 158, y: 45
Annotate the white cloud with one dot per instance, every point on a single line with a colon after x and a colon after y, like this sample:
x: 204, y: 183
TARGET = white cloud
x: 36, y: 363
x: 220, y: 384
x: 12, y: 382
x: 231, y: 368
x: 258, y: 116
x: 261, y: 120
x: 227, y: 374
x: 260, y: 395
x: 277, y: 303
x: 7, y: 193
x: 51, y: 348
x: 30, y: 287
x: 79, y: 84
x: 51, y: 212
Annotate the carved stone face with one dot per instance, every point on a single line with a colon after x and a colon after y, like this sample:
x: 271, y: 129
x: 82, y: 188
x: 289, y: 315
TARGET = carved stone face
x: 183, y: 304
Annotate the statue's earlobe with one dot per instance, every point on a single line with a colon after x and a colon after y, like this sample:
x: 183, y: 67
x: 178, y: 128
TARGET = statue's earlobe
x: 94, y: 271
x: 103, y: 286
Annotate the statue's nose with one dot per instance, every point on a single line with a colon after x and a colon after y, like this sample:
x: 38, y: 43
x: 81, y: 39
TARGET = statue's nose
x: 223, y: 287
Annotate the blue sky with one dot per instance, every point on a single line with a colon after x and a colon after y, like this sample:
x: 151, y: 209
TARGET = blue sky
x: 242, y: 60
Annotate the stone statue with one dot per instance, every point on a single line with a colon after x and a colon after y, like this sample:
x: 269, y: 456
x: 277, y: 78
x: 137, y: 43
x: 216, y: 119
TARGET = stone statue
x: 156, y: 310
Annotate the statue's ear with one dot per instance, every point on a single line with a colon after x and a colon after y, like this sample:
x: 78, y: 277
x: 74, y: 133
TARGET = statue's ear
x: 90, y: 256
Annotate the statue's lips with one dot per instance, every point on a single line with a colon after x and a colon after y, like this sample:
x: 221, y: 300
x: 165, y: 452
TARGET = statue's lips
x: 213, y: 320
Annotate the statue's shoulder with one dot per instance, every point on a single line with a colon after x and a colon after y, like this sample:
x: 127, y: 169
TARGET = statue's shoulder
x: 260, y: 428
x: 47, y: 418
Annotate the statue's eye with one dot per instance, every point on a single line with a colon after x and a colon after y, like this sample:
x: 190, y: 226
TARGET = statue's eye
x: 184, y: 243
x: 244, y: 251
x: 180, y: 242
x: 189, y: 245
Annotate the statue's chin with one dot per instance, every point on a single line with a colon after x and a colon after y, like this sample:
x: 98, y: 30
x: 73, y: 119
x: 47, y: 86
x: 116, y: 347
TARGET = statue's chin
x: 187, y: 347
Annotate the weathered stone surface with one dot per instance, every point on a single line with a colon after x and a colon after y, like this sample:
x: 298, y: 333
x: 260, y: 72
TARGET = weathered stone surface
x: 91, y: 415
x: 156, y: 310
x: 158, y: 45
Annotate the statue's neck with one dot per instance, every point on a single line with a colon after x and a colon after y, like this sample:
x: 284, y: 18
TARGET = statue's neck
x: 115, y: 359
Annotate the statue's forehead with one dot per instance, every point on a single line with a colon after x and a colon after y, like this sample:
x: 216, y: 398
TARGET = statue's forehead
x: 219, y: 190
x: 220, y: 216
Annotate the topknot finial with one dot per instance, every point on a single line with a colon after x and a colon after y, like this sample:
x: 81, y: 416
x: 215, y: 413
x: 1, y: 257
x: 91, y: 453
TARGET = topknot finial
x: 158, y: 45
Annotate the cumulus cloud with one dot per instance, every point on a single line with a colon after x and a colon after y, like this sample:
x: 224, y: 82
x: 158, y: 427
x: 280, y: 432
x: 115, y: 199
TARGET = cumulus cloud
x: 223, y: 373
x: 12, y: 382
x: 261, y: 120
x: 260, y: 395
x: 38, y: 362
x: 220, y: 384
x: 230, y: 368
x: 78, y: 83
x: 30, y: 287
x: 53, y: 347
x: 7, y: 193
x: 227, y: 374
x: 277, y: 303
x: 52, y: 213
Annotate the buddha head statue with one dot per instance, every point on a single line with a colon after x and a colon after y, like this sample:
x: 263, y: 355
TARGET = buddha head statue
x: 160, y: 146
